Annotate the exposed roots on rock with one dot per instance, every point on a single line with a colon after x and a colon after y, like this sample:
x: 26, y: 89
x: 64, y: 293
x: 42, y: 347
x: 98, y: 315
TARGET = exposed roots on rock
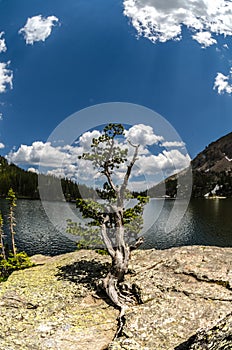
x: 120, y: 292
x: 122, y: 295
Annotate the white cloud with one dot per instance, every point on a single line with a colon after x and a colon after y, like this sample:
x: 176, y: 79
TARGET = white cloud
x: 1, y: 116
x: 37, y: 153
x: 168, y: 161
x: 160, y: 20
x: 86, y: 139
x: 33, y: 170
x: 204, y: 38
x: 38, y: 28
x: 63, y: 161
x: 2, y: 145
x: 221, y: 83
x: 81, y: 171
x: 3, y: 47
x: 143, y: 135
x: 6, y: 76
x: 171, y: 144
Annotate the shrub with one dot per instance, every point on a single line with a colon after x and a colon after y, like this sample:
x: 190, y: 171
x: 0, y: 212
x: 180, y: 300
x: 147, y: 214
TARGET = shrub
x: 18, y: 262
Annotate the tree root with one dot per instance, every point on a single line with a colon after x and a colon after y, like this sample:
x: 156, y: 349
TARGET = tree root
x: 122, y: 295
x: 121, y: 323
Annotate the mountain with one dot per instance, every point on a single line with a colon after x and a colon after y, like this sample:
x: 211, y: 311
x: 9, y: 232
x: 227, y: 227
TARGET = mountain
x: 211, y: 170
x: 25, y: 183
x: 216, y: 158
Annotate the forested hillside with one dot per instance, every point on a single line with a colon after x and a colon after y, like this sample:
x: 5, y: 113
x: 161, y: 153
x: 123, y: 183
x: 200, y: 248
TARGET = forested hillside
x: 25, y: 183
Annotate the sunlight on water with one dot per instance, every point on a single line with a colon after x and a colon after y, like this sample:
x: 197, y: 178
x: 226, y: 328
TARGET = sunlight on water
x: 206, y: 222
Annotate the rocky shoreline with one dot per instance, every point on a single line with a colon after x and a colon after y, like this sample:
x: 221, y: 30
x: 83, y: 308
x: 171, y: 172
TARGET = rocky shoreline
x: 185, y: 292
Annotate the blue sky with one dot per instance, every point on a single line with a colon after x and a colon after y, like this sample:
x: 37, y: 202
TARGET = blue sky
x: 168, y: 56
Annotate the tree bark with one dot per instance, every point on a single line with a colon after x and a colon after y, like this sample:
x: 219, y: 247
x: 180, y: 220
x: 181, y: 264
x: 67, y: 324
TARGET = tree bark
x: 120, y: 255
x: 2, y: 246
x: 12, y: 231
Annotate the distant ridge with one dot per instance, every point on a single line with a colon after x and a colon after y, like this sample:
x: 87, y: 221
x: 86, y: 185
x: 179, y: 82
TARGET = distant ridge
x: 217, y: 157
x: 211, y: 169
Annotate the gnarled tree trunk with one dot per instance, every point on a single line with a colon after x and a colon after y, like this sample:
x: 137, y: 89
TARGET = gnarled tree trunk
x: 120, y: 255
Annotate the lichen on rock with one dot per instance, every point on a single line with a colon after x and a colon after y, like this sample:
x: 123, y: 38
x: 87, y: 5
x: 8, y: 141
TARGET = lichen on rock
x: 218, y: 337
x: 54, y: 305
x: 45, y: 308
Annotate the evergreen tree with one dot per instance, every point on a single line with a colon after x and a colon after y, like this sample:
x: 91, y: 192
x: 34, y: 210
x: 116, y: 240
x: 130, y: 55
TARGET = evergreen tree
x: 119, y: 227
x: 11, y: 261
x: 12, y: 204
x: 2, y: 246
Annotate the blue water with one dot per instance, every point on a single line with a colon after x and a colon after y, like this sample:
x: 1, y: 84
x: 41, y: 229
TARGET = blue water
x: 206, y: 222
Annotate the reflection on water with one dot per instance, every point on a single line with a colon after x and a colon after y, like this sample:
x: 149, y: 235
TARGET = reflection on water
x: 206, y: 222
x: 35, y: 234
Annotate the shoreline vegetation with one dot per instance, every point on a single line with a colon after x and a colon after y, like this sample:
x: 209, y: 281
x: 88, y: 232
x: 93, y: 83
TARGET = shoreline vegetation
x: 10, y: 259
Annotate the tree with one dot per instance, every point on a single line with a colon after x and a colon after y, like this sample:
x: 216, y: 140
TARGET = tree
x: 119, y: 227
x: 2, y: 246
x: 12, y: 203
x: 11, y: 261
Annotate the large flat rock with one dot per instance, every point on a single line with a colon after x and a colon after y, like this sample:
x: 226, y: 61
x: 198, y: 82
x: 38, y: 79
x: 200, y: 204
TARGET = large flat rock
x: 185, y: 292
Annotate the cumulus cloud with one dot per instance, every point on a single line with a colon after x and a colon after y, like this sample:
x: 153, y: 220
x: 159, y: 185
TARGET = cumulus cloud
x: 38, y: 28
x: 171, y: 144
x: 221, y: 83
x: 168, y: 161
x: 63, y: 161
x: 143, y: 135
x: 1, y: 116
x: 86, y: 139
x: 33, y: 170
x: 204, y: 38
x: 38, y: 153
x: 81, y: 171
x: 3, y: 47
x: 163, y: 20
x: 6, y: 76
x: 2, y: 145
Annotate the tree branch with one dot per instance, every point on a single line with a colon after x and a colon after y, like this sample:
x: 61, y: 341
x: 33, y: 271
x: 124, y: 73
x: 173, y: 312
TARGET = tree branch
x: 138, y: 242
x: 106, y: 171
x: 129, y: 168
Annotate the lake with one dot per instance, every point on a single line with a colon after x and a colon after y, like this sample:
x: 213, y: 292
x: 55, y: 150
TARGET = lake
x: 206, y: 222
